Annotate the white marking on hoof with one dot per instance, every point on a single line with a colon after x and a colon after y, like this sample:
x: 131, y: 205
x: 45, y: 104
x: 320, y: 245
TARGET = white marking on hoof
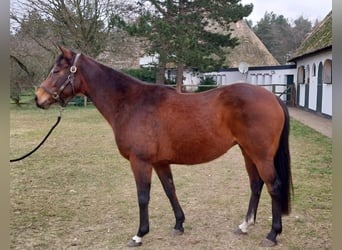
x: 135, y: 241
x: 244, y: 227
x: 245, y: 224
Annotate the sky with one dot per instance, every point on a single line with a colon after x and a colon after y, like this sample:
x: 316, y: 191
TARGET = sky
x: 291, y: 9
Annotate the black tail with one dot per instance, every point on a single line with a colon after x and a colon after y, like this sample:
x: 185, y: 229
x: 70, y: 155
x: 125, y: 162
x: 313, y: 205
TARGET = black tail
x: 282, y: 164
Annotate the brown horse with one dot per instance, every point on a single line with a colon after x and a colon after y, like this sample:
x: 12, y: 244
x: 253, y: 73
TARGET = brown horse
x: 155, y: 126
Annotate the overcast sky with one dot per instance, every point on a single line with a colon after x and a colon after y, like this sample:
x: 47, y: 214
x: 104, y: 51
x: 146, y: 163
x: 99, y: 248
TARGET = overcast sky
x: 291, y: 9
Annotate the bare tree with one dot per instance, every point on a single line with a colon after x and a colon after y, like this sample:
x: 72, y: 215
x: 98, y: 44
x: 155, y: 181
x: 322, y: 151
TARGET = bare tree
x: 38, y: 25
x: 81, y: 24
x: 30, y: 54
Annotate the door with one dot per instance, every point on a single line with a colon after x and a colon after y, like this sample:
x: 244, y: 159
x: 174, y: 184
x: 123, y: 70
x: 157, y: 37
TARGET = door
x: 319, y: 88
x: 307, y: 96
x: 289, y: 86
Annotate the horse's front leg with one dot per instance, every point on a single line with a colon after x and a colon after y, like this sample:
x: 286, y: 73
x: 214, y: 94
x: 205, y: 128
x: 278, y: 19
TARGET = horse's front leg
x: 142, y: 173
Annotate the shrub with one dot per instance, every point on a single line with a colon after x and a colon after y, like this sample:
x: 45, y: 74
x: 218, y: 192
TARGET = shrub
x: 206, y: 84
x: 143, y: 74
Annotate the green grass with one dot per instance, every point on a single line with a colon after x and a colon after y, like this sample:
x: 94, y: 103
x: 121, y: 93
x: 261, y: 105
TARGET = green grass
x: 312, y: 173
x: 77, y: 191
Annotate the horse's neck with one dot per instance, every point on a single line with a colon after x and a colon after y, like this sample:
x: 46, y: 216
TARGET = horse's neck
x: 109, y: 89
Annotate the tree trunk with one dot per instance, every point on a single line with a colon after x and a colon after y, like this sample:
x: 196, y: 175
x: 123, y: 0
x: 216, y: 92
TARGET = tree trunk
x: 179, y: 78
x: 160, y: 77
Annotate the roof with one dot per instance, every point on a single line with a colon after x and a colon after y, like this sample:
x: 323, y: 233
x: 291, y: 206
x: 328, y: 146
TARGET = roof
x: 319, y: 39
x: 250, y: 50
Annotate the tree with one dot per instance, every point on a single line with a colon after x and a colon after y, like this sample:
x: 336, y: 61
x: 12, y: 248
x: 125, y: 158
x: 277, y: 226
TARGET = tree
x: 275, y: 33
x: 302, y: 27
x: 184, y: 33
x: 20, y: 77
x: 279, y: 36
x: 80, y: 24
x: 28, y: 60
x: 38, y: 25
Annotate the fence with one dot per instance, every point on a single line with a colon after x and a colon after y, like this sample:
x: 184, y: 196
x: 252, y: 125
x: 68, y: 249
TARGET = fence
x: 285, y: 92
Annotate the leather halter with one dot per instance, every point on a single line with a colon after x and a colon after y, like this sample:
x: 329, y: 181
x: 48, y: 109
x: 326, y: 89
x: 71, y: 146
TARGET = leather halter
x: 70, y: 80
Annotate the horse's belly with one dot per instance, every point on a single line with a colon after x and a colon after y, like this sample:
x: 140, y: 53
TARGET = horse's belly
x: 199, y: 152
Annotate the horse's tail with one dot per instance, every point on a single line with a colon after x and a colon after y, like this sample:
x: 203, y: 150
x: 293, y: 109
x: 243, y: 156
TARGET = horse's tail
x: 282, y: 163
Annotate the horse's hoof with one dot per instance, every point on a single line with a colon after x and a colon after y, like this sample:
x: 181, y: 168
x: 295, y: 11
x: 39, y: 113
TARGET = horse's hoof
x: 238, y: 231
x: 176, y: 232
x: 133, y: 243
x: 268, y: 243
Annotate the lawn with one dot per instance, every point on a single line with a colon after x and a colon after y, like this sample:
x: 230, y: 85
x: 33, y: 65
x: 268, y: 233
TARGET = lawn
x: 77, y: 192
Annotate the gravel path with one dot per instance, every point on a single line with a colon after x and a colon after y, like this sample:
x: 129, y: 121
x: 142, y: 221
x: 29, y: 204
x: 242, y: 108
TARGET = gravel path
x: 318, y: 123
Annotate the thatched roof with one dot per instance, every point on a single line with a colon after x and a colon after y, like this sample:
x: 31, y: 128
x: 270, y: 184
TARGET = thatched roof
x: 250, y: 50
x: 319, y: 39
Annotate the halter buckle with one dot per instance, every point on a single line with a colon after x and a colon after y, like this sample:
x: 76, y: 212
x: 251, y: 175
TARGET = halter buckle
x: 55, y: 96
x: 73, y: 69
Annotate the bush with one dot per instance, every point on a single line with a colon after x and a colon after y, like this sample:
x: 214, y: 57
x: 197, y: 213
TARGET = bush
x: 208, y: 82
x: 143, y: 74
x: 78, y: 101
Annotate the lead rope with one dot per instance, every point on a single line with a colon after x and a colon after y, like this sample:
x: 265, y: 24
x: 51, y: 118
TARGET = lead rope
x: 42, y: 142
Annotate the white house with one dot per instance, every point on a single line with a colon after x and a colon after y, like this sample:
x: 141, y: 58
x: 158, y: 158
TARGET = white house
x: 278, y: 78
x: 314, y: 70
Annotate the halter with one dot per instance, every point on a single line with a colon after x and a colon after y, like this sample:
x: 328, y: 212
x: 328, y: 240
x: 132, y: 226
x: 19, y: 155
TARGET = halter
x: 70, y: 80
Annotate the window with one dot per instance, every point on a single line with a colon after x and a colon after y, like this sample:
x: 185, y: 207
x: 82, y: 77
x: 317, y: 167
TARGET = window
x: 327, y: 72
x: 307, y: 73
x: 314, y: 69
x: 300, y: 74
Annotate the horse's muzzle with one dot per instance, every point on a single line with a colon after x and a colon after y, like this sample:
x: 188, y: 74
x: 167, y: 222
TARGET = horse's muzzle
x: 42, y: 105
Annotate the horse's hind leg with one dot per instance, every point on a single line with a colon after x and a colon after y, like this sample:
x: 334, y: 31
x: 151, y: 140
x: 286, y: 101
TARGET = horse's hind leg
x: 271, y: 180
x: 273, y: 189
x: 165, y: 176
x: 256, y: 184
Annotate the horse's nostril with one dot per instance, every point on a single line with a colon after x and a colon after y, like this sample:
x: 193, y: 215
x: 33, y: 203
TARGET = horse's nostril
x: 36, y: 101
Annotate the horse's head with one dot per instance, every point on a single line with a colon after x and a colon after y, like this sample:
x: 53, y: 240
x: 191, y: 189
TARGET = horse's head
x: 60, y: 85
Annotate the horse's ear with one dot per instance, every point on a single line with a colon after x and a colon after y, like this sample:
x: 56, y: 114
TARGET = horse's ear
x: 66, y: 52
